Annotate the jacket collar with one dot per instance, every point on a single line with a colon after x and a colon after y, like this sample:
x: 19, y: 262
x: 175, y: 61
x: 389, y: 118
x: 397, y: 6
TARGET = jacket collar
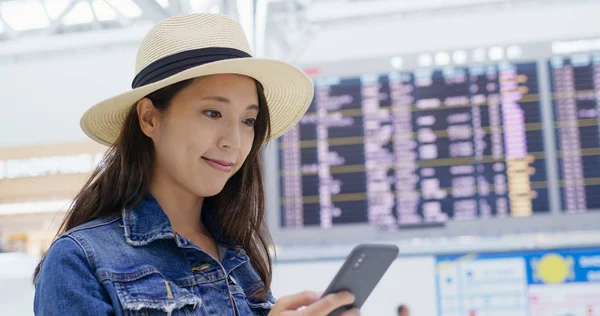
x: 148, y: 222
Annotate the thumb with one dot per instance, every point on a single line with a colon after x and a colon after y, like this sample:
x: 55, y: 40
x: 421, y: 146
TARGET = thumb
x: 293, y: 302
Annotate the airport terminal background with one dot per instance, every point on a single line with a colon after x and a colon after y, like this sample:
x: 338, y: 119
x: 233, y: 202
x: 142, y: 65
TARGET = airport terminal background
x: 467, y: 132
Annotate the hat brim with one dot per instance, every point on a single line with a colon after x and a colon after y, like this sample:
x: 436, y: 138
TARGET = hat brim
x: 288, y: 91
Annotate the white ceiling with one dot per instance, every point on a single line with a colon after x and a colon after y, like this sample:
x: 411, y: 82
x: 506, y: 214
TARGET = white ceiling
x: 43, y: 17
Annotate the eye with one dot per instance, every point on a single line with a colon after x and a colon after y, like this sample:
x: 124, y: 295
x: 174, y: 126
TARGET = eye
x: 250, y: 121
x: 212, y: 114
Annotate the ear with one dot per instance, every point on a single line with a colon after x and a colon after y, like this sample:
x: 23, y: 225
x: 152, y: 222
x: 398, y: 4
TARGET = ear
x: 149, y: 117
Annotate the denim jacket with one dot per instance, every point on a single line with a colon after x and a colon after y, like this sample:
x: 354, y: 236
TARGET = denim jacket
x: 135, y: 264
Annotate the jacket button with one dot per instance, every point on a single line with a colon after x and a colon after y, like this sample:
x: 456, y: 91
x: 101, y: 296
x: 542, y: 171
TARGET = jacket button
x: 203, y: 267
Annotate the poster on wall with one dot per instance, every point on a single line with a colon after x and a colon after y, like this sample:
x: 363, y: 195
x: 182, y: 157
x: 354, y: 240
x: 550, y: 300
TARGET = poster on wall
x: 536, y: 283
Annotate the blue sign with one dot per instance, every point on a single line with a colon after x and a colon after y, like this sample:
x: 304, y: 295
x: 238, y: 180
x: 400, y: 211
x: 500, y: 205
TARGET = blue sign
x: 566, y: 266
x: 466, y: 282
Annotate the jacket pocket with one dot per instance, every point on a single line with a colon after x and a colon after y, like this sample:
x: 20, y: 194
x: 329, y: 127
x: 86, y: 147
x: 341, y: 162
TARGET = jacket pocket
x: 149, y: 293
x: 249, y: 304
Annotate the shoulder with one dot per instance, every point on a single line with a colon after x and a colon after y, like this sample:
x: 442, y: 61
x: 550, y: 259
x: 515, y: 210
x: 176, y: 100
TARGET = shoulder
x: 94, y: 225
x: 82, y: 241
x: 96, y: 230
x: 66, y: 282
x: 63, y: 249
x: 65, y: 259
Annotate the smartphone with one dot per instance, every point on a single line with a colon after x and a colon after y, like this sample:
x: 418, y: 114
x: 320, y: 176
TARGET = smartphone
x: 360, y: 273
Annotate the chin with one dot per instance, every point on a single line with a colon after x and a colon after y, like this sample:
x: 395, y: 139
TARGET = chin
x: 209, y: 191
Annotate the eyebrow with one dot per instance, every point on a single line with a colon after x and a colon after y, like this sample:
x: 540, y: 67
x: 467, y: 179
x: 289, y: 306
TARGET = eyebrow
x: 225, y: 100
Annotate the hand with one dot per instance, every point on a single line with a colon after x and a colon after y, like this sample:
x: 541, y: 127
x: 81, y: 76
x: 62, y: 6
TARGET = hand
x: 315, y: 306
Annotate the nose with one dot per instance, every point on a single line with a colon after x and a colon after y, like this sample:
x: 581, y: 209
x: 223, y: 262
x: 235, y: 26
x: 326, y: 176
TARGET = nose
x: 230, y: 138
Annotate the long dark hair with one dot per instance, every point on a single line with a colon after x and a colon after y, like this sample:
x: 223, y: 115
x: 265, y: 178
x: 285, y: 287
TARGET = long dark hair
x: 123, y: 177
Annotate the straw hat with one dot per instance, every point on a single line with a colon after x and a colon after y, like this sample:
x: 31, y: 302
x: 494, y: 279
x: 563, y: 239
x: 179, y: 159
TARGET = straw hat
x: 189, y: 46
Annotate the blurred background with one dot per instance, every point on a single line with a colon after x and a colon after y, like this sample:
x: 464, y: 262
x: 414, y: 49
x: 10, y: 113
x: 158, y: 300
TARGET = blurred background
x: 467, y: 132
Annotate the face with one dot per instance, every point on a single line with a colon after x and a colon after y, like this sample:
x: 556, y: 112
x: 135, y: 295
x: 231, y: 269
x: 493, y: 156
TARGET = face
x: 206, y: 133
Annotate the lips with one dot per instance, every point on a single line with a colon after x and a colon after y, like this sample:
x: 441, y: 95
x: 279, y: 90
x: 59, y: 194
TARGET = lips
x: 219, y: 164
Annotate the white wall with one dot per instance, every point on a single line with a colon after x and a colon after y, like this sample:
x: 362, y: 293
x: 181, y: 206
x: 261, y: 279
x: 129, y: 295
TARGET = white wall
x: 16, y: 289
x: 43, y: 98
x: 424, y: 32
x: 410, y: 280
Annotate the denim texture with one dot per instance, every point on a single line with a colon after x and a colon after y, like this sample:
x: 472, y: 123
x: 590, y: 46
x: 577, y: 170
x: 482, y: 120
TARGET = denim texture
x: 135, y: 264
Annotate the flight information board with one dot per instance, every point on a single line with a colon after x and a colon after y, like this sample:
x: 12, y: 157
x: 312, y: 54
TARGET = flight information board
x: 416, y: 148
x: 576, y: 104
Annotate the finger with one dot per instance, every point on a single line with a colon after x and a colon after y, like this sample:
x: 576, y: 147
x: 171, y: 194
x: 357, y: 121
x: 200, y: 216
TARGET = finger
x: 352, y: 312
x: 293, y: 302
x: 329, y: 303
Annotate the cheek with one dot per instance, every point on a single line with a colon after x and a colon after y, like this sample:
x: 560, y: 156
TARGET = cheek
x: 169, y: 151
x: 176, y: 145
x: 245, y: 149
x: 247, y: 145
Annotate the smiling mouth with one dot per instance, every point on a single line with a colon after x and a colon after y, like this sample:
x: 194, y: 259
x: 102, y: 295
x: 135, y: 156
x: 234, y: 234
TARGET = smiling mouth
x: 219, y: 164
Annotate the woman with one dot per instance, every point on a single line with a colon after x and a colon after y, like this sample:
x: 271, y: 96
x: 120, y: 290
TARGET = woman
x: 172, y: 220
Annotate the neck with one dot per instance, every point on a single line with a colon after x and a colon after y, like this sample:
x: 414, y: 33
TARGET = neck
x: 182, y: 207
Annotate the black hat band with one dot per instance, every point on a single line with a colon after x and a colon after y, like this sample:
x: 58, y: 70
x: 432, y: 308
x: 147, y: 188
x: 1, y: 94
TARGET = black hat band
x: 176, y: 63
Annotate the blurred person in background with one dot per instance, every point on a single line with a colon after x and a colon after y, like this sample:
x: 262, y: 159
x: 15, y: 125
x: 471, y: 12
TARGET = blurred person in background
x: 172, y: 220
x: 403, y: 310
